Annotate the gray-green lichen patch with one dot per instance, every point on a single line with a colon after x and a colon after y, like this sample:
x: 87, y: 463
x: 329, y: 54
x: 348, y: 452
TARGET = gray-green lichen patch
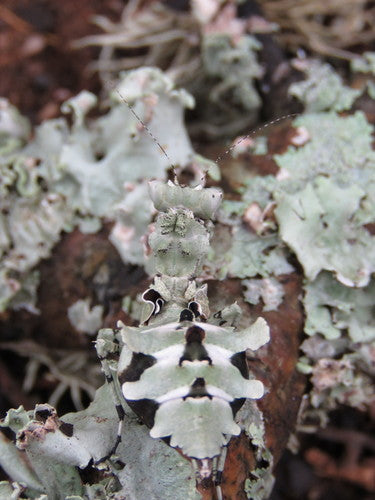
x: 250, y: 418
x: 328, y: 195
x: 256, y: 200
x: 42, y: 219
x: 133, y: 307
x: 236, y: 66
x: 338, y: 147
x: 14, y: 128
x: 13, y: 464
x: 30, y: 219
x: 260, y: 487
x: 324, y: 200
x: 10, y: 490
x: 259, y: 190
x: 89, y: 435
x: 371, y: 89
x: 252, y: 255
x: 98, y: 159
x: 339, y: 355
x: 19, y: 290
x: 268, y: 289
x: 346, y: 380
x: 320, y: 206
x: 323, y: 89
x: 248, y: 235
x: 333, y: 309
x: 77, y: 175
x: 252, y: 247
x: 320, y: 224
x: 85, y: 319
x: 131, y: 223
x: 165, y: 467
x: 365, y: 63
x: 40, y: 468
x: 247, y: 144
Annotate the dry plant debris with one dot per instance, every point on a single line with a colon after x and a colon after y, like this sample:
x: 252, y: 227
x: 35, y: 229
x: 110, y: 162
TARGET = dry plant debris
x: 327, y: 27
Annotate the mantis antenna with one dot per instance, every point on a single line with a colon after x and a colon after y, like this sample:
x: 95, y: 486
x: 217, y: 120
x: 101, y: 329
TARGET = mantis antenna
x: 254, y: 131
x: 135, y: 114
x: 231, y: 148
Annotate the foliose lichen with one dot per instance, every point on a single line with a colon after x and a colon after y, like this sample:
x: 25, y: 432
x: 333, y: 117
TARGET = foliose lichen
x: 334, y: 310
x: 206, y: 49
x: 262, y: 480
x: 87, y: 436
x: 323, y: 89
x: 84, y: 318
x: 236, y: 66
x: 268, y: 289
x: 365, y: 63
x: 78, y: 175
x: 84, y: 146
x: 319, y: 207
x: 322, y: 209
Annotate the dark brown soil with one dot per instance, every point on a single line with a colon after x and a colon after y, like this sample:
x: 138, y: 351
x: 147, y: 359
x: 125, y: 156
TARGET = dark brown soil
x: 39, y: 69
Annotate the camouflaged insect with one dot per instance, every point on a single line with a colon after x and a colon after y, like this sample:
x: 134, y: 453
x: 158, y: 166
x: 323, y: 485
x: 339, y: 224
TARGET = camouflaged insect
x: 182, y: 371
